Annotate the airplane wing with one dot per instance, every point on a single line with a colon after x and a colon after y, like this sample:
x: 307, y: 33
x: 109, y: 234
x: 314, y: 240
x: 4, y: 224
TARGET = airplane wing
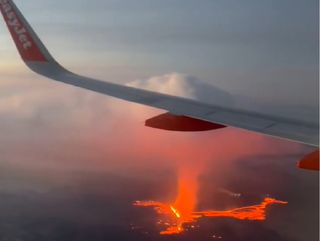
x: 37, y: 58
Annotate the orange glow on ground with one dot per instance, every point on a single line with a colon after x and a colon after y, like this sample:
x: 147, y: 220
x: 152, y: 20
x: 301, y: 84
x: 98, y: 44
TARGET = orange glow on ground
x: 178, y: 219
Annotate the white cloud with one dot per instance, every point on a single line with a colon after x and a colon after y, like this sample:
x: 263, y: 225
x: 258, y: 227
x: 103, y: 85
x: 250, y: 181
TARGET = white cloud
x: 173, y: 84
x: 185, y: 86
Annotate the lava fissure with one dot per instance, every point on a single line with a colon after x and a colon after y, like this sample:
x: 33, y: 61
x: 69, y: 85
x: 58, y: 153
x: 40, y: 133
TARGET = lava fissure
x: 178, y: 219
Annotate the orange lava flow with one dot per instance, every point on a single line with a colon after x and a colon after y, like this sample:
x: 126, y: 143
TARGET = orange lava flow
x: 178, y: 219
x: 254, y: 212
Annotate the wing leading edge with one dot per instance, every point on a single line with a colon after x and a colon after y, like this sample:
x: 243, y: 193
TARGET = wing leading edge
x: 36, y: 56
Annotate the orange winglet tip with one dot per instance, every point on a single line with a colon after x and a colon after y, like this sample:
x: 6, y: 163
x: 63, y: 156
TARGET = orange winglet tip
x: 310, y: 161
x: 170, y: 122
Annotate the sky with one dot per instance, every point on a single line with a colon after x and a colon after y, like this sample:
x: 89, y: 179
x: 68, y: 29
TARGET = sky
x: 72, y: 161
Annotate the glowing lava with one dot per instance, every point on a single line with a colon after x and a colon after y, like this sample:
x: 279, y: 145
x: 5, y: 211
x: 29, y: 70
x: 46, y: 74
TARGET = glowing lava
x: 175, y: 211
x: 180, y: 214
x: 176, y: 216
x: 255, y: 212
x: 178, y: 219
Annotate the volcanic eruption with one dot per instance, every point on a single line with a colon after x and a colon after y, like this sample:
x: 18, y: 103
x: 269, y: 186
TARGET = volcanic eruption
x: 177, y: 215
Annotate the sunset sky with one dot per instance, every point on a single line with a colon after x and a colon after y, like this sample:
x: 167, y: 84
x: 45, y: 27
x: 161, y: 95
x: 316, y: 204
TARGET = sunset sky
x: 72, y: 161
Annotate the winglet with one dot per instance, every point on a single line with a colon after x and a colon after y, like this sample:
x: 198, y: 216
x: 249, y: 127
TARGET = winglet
x: 30, y: 47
